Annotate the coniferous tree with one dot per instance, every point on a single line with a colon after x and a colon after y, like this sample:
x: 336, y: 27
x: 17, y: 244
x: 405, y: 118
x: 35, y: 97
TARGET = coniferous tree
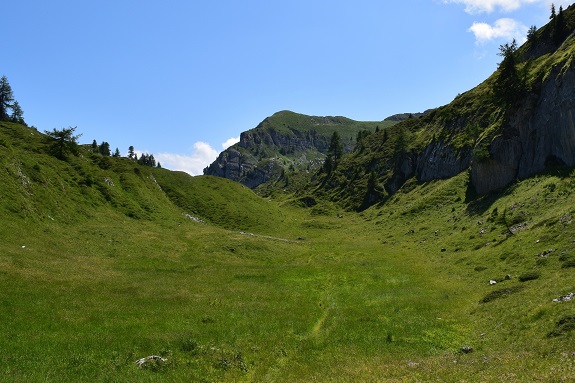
x: 63, y: 142
x: 6, y: 98
x: 117, y: 153
x: 559, y: 28
x: 401, y: 141
x: 131, y: 154
x: 17, y: 113
x: 334, y: 153
x: 147, y: 160
x: 159, y: 166
x: 509, y: 85
x: 335, y: 150
x: 104, y: 149
x: 94, y: 147
x: 553, y: 14
x: 532, y: 33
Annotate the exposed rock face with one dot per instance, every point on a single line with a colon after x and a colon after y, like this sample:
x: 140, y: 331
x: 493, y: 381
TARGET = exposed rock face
x: 541, y: 132
x: 231, y: 164
x: 440, y: 160
x: 516, y: 143
x: 264, y: 153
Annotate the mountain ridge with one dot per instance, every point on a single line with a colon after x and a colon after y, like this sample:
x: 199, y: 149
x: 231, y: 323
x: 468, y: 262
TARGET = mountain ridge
x: 496, y: 142
x: 285, y: 142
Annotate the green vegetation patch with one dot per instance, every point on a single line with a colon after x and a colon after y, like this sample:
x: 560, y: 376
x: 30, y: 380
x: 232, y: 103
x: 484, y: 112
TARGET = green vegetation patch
x: 501, y: 293
x: 563, y: 326
x: 529, y: 275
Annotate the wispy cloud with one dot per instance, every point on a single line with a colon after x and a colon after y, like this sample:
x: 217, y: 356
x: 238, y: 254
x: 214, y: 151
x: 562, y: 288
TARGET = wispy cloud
x: 202, y: 155
x: 480, y: 6
x: 488, y: 6
x: 505, y: 28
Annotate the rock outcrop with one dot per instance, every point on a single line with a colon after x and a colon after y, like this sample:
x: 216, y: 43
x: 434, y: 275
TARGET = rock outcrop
x: 282, y: 142
x: 541, y: 133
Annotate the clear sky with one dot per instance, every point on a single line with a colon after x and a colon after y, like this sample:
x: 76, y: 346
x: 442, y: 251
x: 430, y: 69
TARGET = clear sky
x: 181, y: 79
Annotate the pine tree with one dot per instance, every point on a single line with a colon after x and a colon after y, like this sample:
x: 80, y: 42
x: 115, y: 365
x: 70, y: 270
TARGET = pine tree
x: 17, y: 113
x: 509, y: 85
x: 335, y: 150
x: 532, y: 33
x: 63, y: 142
x: 401, y: 143
x: 117, y: 153
x: 6, y: 98
x: 104, y: 149
x: 94, y: 147
x: 553, y: 14
x: 559, y: 31
x: 131, y: 154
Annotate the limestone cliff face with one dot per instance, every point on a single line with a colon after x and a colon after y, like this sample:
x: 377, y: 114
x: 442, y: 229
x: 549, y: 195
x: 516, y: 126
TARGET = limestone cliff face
x: 540, y: 132
x: 282, y: 142
x: 441, y: 160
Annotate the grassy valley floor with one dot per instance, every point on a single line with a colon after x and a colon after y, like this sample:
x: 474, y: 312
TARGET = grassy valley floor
x: 399, y: 293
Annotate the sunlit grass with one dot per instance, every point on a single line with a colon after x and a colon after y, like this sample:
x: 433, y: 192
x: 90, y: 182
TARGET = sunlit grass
x: 96, y: 277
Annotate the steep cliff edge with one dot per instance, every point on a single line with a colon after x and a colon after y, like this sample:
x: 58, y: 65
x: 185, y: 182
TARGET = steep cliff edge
x: 540, y: 130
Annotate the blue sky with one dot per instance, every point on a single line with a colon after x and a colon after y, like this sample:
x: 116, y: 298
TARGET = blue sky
x: 183, y: 78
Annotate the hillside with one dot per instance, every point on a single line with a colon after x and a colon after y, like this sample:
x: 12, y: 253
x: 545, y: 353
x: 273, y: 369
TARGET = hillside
x: 499, y: 141
x: 286, y: 146
x: 105, y: 262
x: 439, y: 248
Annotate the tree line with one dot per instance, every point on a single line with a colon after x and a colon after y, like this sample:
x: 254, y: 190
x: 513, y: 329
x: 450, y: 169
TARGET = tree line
x: 63, y: 142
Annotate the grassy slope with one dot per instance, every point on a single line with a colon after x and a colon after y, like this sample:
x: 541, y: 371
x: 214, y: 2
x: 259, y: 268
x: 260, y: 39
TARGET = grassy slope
x: 286, y: 122
x: 110, y: 274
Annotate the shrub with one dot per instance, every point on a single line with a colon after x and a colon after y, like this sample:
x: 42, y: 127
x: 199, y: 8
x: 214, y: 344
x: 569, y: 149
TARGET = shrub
x: 529, y: 275
x: 501, y: 293
x: 563, y: 326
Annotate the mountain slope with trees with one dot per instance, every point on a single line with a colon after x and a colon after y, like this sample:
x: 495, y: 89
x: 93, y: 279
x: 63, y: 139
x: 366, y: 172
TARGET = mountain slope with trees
x: 286, y: 146
x: 114, y: 270
x: 517, y: 123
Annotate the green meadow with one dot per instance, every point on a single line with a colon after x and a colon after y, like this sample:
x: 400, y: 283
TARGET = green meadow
x: 102, y: 264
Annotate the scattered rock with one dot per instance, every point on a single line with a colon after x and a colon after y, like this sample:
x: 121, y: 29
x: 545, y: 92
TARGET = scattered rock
x: 518, y: 227
x: 195, y: 219
x: 466, y: 349
x: 109, y: 181
x: 155, y: 358
x: 492, y: 282
x: 507, y: 277
x: 565, y: 298
x: 443, y: 249
x: 545, y: 253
